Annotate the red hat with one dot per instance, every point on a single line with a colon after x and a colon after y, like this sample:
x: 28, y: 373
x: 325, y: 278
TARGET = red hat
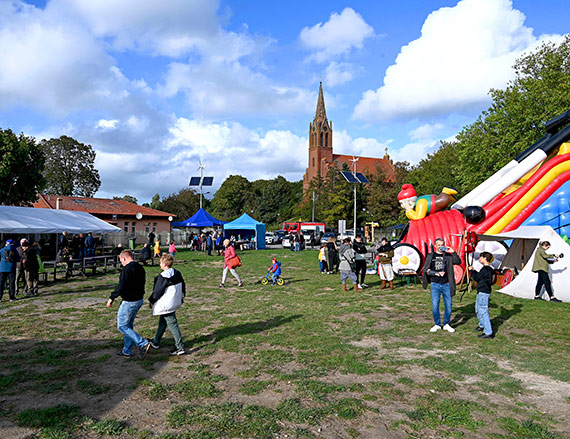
x: 274, y: 259
x: 407, y: 191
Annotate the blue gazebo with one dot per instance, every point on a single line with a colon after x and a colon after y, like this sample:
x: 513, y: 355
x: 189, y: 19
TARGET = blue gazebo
x: 199, y: 220
x: 248, y: 225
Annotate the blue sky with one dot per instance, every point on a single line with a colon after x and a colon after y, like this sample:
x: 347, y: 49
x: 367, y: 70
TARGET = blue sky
x: 156, y: 86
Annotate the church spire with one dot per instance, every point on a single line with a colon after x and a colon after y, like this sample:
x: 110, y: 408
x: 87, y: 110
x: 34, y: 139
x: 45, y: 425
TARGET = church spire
x: 321, y: 113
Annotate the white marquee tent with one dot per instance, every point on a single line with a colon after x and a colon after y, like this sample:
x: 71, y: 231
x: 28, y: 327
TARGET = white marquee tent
x: 28, y: 220
x: 521, y: 256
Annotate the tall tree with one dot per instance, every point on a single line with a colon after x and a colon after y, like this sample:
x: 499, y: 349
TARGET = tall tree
x: 435, y: 172
x: 21, y: 165
x: 275, y: 200
x: 383, y: 198
x: 128, y: 198
x: 516, y: 119
x: 234, y: 197
x: 183, y: 204
x: 70, y: 167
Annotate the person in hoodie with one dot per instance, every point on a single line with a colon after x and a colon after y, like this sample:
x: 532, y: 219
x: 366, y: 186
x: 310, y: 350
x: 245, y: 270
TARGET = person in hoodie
x: 347, y: 265
x: 275, y: 270
x: 166, y: 298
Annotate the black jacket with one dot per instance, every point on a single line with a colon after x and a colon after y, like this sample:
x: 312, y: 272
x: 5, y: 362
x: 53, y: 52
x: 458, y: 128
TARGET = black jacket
x: 484, y: 279
x: 131, y: 283
x: 451, y: 259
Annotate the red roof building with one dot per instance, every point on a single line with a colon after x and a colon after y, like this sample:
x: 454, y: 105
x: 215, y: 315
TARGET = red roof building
x: 321, y: 157
x: 120, y: 213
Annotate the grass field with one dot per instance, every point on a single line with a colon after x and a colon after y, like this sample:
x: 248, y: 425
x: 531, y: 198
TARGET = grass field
x: 305, y: 360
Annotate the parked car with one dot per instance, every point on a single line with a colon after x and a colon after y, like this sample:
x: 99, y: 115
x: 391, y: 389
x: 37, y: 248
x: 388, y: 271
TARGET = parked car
x: 327, y: 236
x: 271, y: 238
x: 286, y: 244
x: 280, y: 234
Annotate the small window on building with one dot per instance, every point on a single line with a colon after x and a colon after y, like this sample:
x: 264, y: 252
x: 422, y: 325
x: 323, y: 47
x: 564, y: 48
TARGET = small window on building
x: 126, y: 227
x: 147, y: 228
x: 313, y: 162
x: 154, y: 227
x: 133, y: 227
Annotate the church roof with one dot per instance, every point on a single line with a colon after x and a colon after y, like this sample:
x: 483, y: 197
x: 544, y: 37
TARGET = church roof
x: 367, y: 165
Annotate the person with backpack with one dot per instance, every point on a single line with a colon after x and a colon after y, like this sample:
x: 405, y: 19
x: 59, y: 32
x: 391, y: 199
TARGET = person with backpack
x: 8, y: 260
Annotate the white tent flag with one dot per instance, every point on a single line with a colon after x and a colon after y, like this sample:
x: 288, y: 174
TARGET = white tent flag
x: 31, y: 220
x: 521, y: 256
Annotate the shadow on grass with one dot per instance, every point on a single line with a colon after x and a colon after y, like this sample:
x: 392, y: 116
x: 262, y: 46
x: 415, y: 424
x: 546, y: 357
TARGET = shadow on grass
x: 505, y: 314
x: 467, y: 312
x: 243, y: 329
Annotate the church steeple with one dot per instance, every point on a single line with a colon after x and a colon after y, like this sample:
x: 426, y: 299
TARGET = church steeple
x: 321, y: 113
x: 320, y: 130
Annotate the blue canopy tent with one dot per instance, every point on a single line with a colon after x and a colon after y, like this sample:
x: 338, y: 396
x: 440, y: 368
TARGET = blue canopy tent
x: 248, y: 225
x: 200, y: 219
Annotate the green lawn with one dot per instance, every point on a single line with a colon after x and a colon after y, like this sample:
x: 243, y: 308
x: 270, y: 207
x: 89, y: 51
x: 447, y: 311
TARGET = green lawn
x: 302, y: 360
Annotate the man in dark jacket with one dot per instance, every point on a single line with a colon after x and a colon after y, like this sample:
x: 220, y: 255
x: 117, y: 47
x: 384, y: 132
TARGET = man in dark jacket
x: 31, y: 267
x: 360, y: 261
x: 131, y: 290
x: 438, y: 269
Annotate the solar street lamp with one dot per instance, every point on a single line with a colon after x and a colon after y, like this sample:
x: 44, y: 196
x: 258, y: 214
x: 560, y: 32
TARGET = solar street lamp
x: 201, y: 181
x: 355, y: 178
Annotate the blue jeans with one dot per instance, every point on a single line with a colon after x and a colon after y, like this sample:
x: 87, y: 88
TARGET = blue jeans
x: 438, y: 290
x: 125, y: 321
x: 274, y: 277
x: 297, y: 246
x: 482, y: 310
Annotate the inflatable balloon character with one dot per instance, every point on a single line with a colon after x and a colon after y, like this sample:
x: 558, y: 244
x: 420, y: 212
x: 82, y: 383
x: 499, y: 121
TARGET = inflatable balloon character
x: 419, y: 207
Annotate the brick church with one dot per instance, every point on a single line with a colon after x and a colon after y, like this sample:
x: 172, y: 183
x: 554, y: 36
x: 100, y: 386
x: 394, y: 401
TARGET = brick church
x: 321, y: 157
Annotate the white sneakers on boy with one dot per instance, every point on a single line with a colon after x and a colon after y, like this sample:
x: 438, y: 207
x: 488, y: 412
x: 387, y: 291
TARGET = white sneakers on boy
x: 435, y: 328
x: 448, y: 329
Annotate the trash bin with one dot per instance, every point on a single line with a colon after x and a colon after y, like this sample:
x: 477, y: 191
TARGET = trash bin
x: 132, y: 243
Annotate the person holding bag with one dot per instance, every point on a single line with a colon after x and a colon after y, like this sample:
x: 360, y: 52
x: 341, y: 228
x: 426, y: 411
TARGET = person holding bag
x: 231, y: 261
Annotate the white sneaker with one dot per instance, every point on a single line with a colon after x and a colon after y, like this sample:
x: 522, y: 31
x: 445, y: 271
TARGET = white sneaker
x: 448, y: 329
x: 435, y: 328
x: 359, y: 286
x: 364, y: 286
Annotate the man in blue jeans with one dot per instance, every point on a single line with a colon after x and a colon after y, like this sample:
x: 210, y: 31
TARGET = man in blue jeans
x: 131, y: 289
x: 438, y: 269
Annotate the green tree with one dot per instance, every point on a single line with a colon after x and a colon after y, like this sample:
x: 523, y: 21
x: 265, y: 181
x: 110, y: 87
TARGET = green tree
x: 155, y: 201
x: 183, y: 204
x: 383, y: 197
x: 128, y: 198
x: 234, y: 197
x: 21, y: 165
x: 435, y: 172
x: 275, y: 200
x: 516, y: 118
x: 70, y: 167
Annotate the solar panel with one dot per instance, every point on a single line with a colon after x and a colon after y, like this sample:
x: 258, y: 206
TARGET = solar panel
x: 207, y: 181
x: 349, y: 176
x: 194, y: 181
x: 361, y: 178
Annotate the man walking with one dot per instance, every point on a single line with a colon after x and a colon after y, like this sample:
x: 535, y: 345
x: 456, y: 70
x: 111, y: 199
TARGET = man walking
x: 438, y: 269
x: 31, y: 267
x: 8, y: 259
x: 131, y: 289
x: 360, y: 261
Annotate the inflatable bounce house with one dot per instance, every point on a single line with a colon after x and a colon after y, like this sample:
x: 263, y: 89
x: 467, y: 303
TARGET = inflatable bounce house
x: 531, y: 190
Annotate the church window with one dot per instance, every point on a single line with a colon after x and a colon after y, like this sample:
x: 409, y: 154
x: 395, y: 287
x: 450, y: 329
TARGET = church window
x: 321, y: 139
x: 326, y: 139
x: 313, y: 162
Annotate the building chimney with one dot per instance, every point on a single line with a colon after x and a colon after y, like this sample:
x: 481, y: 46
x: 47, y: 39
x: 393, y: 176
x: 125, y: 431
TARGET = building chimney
x: 58, y: 204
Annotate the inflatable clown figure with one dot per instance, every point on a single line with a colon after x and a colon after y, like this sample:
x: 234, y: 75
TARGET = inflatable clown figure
x: 419, y: 207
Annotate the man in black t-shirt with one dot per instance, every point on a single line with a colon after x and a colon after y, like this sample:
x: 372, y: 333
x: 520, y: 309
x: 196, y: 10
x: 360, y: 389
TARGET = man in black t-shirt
x: 438, y: 269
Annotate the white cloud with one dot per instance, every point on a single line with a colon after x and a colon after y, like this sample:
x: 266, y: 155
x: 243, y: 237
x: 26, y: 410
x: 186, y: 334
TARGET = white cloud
x: 213, y: 89
x: 345, y: 144
x: 463, y: 51
x: 338, y: 36
x: 106, y: 124
x: 339, y: 73
x: 426, y: 131
x: 169, y: 28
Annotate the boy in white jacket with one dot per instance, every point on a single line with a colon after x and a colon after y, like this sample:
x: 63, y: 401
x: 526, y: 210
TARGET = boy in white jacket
x: 167, y: 297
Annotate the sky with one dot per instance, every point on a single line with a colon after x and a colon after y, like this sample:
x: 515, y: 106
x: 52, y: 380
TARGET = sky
x: 155, y: 87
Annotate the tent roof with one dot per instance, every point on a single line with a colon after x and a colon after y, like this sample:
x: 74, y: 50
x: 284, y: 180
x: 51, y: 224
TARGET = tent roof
x: 244, y: 222
x: 199, y: 219
x: 30, y: 220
